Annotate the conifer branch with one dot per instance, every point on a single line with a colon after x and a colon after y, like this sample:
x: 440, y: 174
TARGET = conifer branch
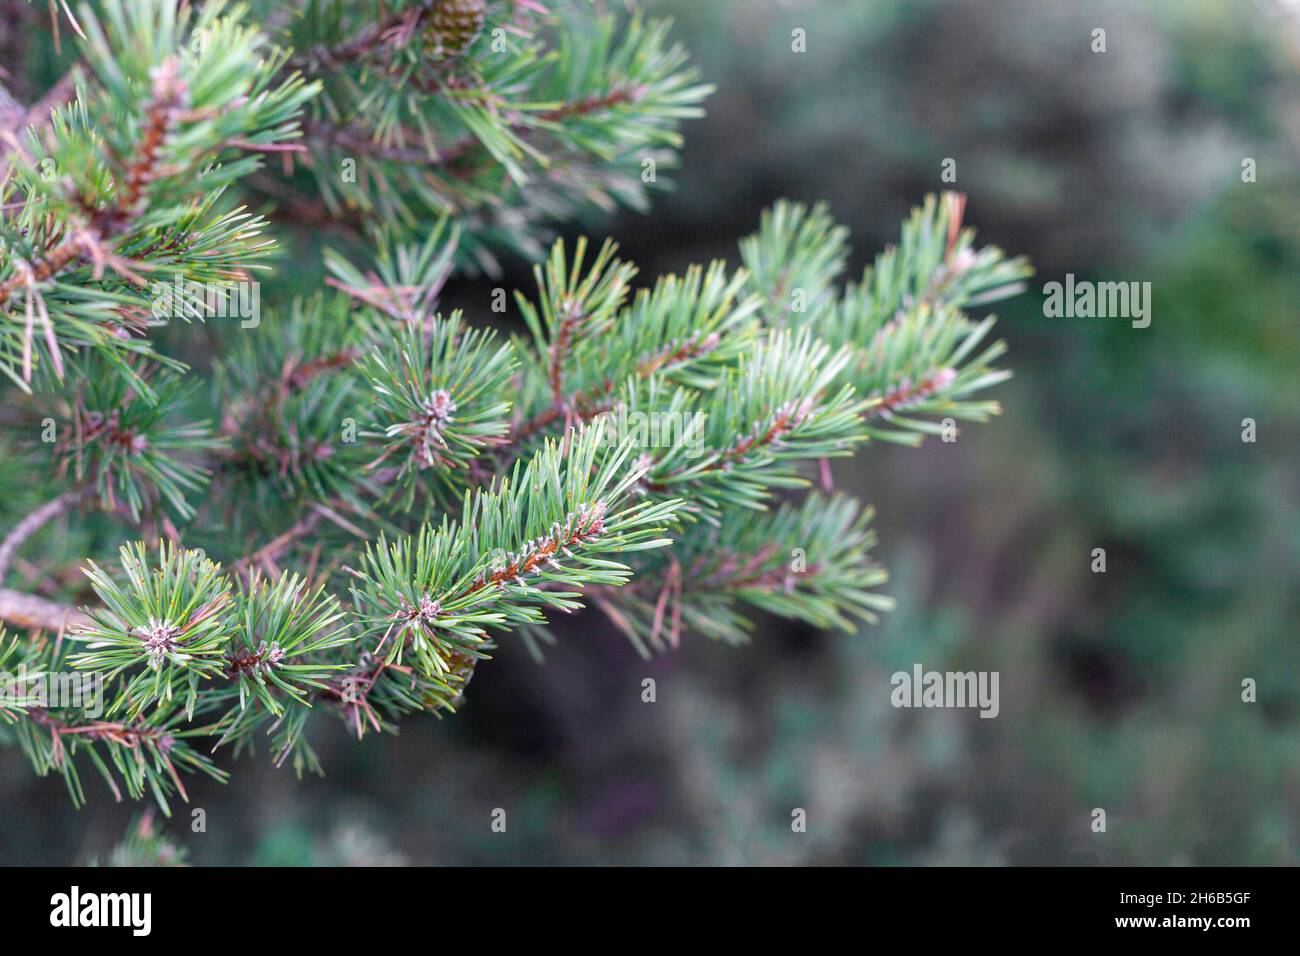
x: 37, y: 613
x: 32, y: 523
x: 146, y: 845
x: 388, y: 489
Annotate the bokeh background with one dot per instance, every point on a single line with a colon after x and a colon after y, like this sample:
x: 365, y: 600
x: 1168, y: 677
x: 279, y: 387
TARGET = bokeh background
x: 1119, y: 690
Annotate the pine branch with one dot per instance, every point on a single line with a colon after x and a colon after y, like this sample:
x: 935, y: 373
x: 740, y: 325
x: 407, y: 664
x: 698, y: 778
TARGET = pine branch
x: 390, y: 488
x: 494, y: 121
x: 423, y: 603
x: 915, y: 353
x: 438, y: 591
x: 809, y: 562
x: 395, y: 30
x: 33, y: 523
x: 78, y: 243
x: 145, y: 845
x: 37, y: 613
x: 685, y: 330
x: 264, y: 557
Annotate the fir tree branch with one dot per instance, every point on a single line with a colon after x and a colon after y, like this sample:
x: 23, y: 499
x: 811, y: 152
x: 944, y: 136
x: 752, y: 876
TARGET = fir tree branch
x: 808, y: 562
x: 496, y: 129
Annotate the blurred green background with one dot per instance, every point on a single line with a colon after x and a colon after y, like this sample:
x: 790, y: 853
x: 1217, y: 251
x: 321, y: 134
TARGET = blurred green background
x: 1119, y: 690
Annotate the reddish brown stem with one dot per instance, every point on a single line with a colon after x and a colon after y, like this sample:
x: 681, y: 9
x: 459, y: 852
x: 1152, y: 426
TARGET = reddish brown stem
x: 31, y: 524
x: 906, y: 394
x: 27, y: 610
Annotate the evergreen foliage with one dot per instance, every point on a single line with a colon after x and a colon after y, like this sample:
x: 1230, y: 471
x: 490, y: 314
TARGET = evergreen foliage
x: 372, y: 493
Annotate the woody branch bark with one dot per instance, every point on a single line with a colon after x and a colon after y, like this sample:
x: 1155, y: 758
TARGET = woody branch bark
x: 31, y: 524
x: 27, y: 610
x: 36, y: 613
x: 394, y: 30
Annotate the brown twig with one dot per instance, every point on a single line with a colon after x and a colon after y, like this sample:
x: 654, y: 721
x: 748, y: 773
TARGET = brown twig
x: 31, y: 524
x: 905, y: 394
x: 29, y: 611
x: 586, y: 405
x: 126, y: 735
x: 357, y: 142
x: 264, y: 557
x: 396, y: 28
x: 784, y: 421
x: 591, y: 104
x: 579, y: 527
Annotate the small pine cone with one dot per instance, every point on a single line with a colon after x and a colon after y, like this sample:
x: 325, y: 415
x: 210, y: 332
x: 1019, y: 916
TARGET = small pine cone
x: 460, y: 671
x: 453, y: 26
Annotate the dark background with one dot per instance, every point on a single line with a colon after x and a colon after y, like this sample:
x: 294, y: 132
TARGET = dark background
x: 1119, y: 690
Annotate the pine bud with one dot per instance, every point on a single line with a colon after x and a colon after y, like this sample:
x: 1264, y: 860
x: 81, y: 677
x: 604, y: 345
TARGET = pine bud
x: 453, y: 26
